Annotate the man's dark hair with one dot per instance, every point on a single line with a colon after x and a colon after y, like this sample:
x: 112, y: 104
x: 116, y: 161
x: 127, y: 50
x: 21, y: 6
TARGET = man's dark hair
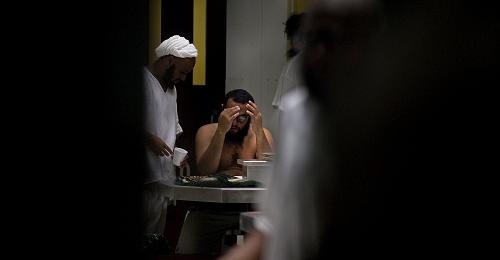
x: 292, y: 26
x: 239, y: 96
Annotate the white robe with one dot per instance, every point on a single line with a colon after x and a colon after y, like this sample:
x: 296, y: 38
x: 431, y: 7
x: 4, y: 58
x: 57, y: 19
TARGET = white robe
x: 161, y: 120
x: 290, y: 79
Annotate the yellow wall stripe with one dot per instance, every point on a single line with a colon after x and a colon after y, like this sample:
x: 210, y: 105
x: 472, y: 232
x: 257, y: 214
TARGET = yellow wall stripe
x: 199, y: 39
x: 297, y: 6
x: 154, y: 28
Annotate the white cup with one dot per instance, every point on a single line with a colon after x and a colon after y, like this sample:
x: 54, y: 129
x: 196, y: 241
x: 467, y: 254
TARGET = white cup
x: 179, y: 155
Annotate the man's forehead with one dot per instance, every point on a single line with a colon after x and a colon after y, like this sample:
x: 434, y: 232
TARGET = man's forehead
x: 184, y: 63
x: 232, y: 103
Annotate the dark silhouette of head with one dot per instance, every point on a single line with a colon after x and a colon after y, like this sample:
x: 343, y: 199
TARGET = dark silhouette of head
x: 292, y: 31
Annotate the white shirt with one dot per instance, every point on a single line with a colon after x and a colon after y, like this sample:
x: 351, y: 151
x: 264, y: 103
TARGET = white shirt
x: 161, y: 120
x: 290, y: 79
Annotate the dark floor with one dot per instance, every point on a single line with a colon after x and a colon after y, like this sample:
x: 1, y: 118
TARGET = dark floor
x: 184, y: 257
x: 175, y: 218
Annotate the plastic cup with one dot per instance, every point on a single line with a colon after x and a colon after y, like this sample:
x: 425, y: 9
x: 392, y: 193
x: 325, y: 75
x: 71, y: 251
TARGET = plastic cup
x: 179, y: 155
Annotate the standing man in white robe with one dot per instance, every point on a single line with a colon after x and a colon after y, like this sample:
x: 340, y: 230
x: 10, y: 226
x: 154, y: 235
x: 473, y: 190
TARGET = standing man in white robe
x: 291, y: 84
x: 291, y: 77
x: 175, y: 59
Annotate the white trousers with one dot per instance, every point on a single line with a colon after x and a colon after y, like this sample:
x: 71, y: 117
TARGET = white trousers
x: 155, y: 203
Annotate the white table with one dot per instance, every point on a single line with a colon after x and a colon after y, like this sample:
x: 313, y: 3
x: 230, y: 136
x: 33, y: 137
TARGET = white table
x: 217, y: 195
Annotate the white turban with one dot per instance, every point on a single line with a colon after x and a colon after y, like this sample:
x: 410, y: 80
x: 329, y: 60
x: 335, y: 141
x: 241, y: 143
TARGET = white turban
x: 177, y: 46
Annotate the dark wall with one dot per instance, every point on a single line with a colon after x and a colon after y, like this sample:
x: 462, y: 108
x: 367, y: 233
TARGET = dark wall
x: 216, y: 56
x: 198, y: 105
x: 82, y: 186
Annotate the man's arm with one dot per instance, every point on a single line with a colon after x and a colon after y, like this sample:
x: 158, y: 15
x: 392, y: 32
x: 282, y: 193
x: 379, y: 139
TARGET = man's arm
x: 264, y: 143
x: 157, y: 145
x: 208, y: 145
x: 210, y: 141
x: 251, y: 249
x: 264, y: 139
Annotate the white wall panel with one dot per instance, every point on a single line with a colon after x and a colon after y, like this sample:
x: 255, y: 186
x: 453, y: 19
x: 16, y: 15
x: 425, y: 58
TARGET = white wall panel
x: 255, y: 51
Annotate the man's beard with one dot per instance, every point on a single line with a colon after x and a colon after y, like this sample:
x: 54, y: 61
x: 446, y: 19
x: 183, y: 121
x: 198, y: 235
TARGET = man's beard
x: 238, y: 136
x: 167, y: 78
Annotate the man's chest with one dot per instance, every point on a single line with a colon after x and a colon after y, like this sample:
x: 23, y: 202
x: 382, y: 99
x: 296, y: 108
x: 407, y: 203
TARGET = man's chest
x: 232, y: 152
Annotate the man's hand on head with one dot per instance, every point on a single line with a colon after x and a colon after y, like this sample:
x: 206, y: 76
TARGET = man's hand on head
x: 256, y: 116
x: 226, y: 118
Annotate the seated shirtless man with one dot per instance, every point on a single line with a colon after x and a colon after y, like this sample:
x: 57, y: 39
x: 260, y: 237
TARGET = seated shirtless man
x: 237, y: 135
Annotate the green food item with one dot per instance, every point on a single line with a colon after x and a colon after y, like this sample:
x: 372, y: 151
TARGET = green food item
x: 217, y: 181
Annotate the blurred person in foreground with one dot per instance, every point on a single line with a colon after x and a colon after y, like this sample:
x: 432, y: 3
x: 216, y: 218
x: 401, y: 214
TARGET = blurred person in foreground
x: 381, y: 175
x: 290, y: 227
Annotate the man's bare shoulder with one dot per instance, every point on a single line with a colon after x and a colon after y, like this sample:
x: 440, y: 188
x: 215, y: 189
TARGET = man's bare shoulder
x: 208, y: 129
